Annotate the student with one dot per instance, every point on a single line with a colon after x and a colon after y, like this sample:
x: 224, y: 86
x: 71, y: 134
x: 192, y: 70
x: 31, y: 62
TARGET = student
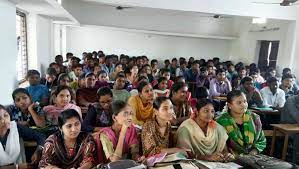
x: 12, y: 154
x: 119, y: 91
x: 181, y: 106
x: 254, y: 76
x: 202, y: 79
x: 142, y: 104
x: 119, y: 140
x: 166, y: 64
x: 56, y: 67
x: 161, y: 88
x: 50, y: 80
x: 87, y: 95
x: 166, y: 73
x: 220, y: 85
x: 155, y: 133
x: 173, y: 67
x: 244, y: 128
x: 38, y: 92
x: 132, y: 75
x: 75, y: 85
x: 155, y: 68
x: 68, y: 147
x: 24, y: 111
x: 242, y: 72
x: 231, y: 71
x: 76, y: 72
x: 103, y: 79
x: 89, y: 64
x: 193, y: 72
x: 99, y: 115
x: 62, y: 99
x: 59, y: 61
x: 253, y: 96
x: 182, y: 70
x: 272, y: 95
x: 118, y: 69
x: 288, y: 86
x: 96, y: 68
x: 146, y: 69
x: 203, y: 136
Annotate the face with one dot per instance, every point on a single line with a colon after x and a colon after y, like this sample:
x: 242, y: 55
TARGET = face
x: 4, y: 120
x: 195, y: 67
x: 231, y: 68
x: 254, y: 77
x: 105, y: 101
x: 103, y: 77
x: 163, y: 85
x: 248, y: 85
x: 119, y: 68
x: 90, y: 62
x: 124, y: 116
x: 205, y: 114
x: 120, y: 83
x: 139, y: 62
x: 183, y: 66
x: 81, y: 83
x: 71, y: 128
x: 288, y: 82
x: 155, y: 65
x: 273, y: 86
x: 166, y: 112
x: 102, y: 60
x: 221, y: 76
x: 147, y: 93
x: 273, y: 73
x: 204, y: 73
x: 174, y: 63
x: 22, y: 101
x: 134, y: 70
x: 73, y: 62
x: 34, y: 80
x: 239, y: 104
x: 148, y: 70
x: 59, y: 60
x: 64, y: 81
x: 211, y: 71
x: 57, y: 68
x: 50, y: 78
x: 63, y: 98
x: 90, y: 81
x: 78, y: 71
x: 123, y: 61
x: 181, y: 94
x: 166, y: 75
x: 242, y: 73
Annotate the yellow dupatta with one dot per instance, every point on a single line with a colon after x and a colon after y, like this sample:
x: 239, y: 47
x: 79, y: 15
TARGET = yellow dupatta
x: 141, y: 113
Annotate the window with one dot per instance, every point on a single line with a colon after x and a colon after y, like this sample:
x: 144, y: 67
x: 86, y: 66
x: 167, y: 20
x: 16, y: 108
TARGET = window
x: 22, y: 57
x: 268, y: 54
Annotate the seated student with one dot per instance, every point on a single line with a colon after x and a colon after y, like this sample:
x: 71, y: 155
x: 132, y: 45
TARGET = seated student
x: 59, y: 61
x: 173, y: 67
x: 62, y: 99
x: 244, y: 128
x: 231, y: 71
x: 242, y: 72
x: 119, y: 91
x: 12, y: 153
x: 155, y: 68
x: 253, y: 96
x: 203, y: 136
x: 147, y: 71
x: 120, y: 140
x: 254, y: 76
x: 202, y: 93
x: 288, y: 86
x: 182, y: 70
x: 271, y: 72
x: 24, y: 111
x: 76, y: 72
x: 142, y: 104
x: 56, y: 67
x: 96, y: 68
x: 220, y: 85
x: 211, y: 71
x: 134, y: 91
x: 38, y: 92
x: 102, y: 79
x: 87, y: 95
x: 156, y: 136
x: 203, y: 79
x: 50, y: 80
x: 272, y: 95
x: 179, y: 98
x: 99, y: 115
x: 161, y: 88
x: 259, y: 78
x: 132, y: 75
x: 166, y: 73
x: 118, y: 68
x: 63, y: 80
x: 75, y: 85
x: 68, y: 147
x: 89, y: 65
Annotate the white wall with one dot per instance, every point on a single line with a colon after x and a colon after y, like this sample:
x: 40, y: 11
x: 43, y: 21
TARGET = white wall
x: 40, y: 42
x: 8, y: 46
x: 80, y: 39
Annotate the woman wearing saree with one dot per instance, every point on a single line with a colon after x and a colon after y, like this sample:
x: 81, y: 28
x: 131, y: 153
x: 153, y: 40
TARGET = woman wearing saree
x: 68, y: 147
x: 142, y: 104
x: 244, y: 128
x: 120, y: 140
x: 203, y: 136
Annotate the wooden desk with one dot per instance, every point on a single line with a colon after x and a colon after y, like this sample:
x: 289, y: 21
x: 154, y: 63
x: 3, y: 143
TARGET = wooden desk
x: 286, y: 129
x: 220, y: 98
x: 265, y: 112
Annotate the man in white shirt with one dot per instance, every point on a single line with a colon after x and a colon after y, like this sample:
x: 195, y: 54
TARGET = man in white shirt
x: 272, y: 95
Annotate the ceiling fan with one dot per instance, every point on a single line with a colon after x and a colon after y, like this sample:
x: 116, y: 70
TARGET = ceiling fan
x: 119, y: 7
x: 216, y: 16
x: 266, y: 29
x: 283, y: 3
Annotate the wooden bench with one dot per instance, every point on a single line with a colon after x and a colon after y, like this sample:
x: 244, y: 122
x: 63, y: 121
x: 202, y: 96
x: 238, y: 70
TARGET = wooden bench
x: 269, y: 133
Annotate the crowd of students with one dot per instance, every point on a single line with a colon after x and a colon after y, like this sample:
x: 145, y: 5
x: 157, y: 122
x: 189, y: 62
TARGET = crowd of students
x: 104, y: 108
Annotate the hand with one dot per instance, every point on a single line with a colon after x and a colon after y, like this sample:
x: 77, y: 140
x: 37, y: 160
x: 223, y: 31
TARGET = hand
x: 25, y: 166
x: 228, y: 157
x: 141, y: 159
x: 253, y: 152
x: 31, y: 106
x: 216, y: 157
x: 37, y: 155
